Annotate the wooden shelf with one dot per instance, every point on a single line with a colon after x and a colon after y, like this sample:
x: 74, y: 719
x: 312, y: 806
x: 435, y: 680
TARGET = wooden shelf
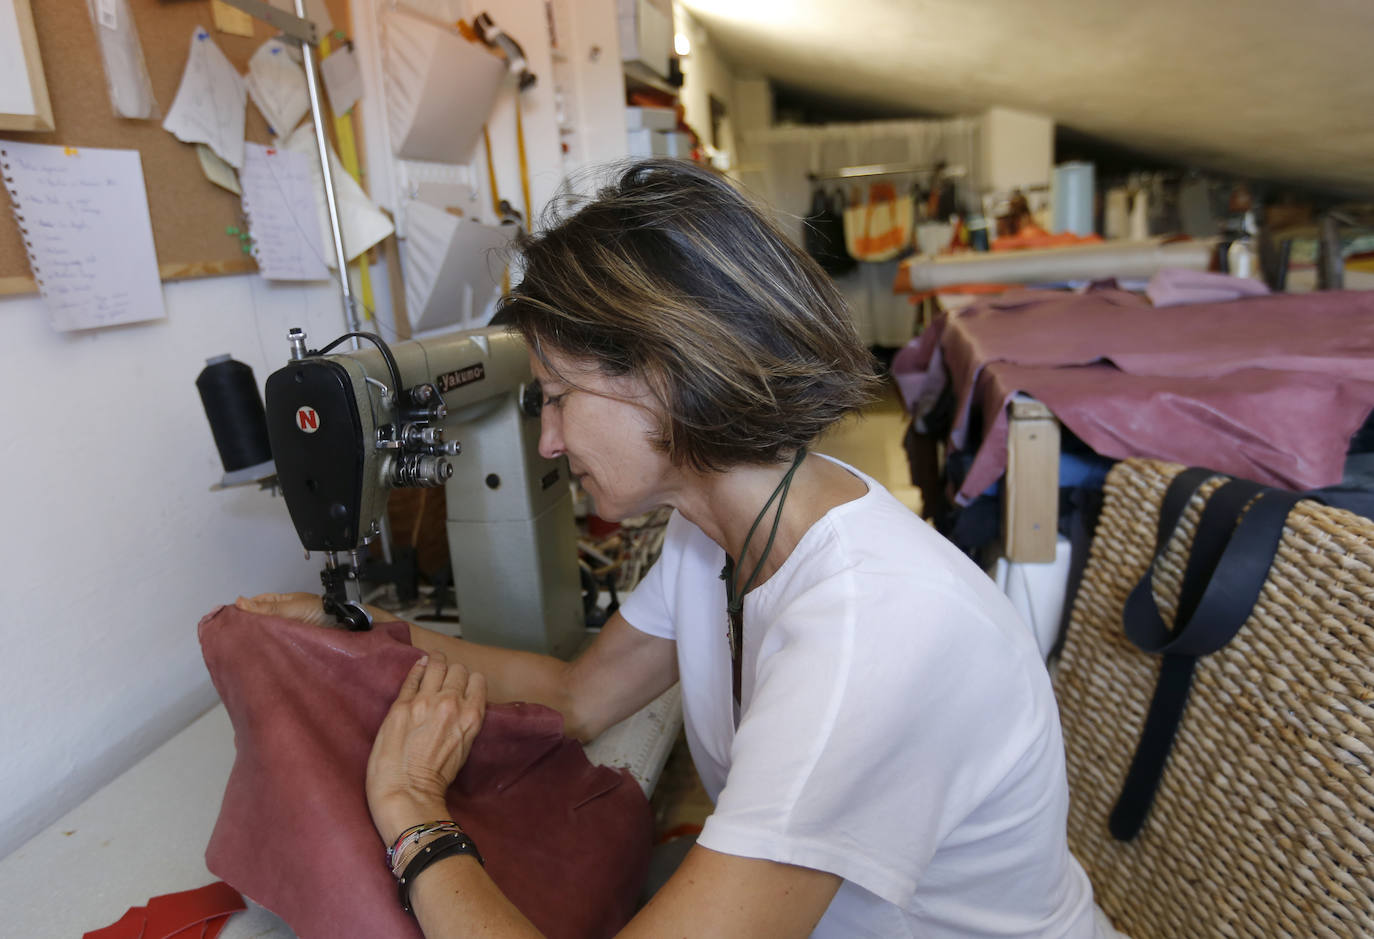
x: 637, y: 73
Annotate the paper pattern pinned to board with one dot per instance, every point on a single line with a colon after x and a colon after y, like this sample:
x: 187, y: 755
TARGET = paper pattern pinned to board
x: 210, y: 102
x: 343, y: 80
x: 217, y: 171
x: 83, y: 214
x: 131, y: 91
x: 280, y: 206
x: 276, y: 80
x: 363, y: 224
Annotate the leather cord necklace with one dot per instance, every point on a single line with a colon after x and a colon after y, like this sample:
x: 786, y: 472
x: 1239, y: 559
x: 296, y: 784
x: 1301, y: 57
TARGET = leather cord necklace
x: 734, y: 595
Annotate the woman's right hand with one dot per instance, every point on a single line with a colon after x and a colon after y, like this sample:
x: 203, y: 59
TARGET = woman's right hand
x: 423, y: 743
x: 306, y: 607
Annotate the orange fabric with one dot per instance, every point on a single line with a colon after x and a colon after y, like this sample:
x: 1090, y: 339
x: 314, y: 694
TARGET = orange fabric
x: 880, y: 227
x: 1033, y: 236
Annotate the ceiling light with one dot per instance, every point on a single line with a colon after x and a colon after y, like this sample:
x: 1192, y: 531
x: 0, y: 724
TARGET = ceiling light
x: 681, y: 44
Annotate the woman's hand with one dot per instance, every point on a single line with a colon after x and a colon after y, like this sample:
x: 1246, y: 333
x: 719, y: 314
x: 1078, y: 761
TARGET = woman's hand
x: 306, y: 607
x: 423, y: 742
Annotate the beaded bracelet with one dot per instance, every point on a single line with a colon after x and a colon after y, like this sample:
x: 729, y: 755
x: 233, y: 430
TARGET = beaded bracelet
x: 414, y: 834
x: 441, y: 847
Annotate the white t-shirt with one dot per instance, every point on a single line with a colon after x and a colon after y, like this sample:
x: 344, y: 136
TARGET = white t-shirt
x: 897, y: 727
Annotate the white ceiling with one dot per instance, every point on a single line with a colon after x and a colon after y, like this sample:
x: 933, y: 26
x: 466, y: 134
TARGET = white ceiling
x: 1274, y: 88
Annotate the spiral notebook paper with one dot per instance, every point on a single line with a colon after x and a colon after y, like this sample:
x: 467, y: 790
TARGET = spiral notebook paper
x: 83, y: 215
x: 280, y: 205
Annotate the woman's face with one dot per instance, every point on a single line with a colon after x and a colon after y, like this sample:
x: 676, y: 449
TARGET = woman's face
x: 605, y: 427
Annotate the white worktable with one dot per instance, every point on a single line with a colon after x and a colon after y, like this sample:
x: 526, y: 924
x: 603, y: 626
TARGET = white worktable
x: 145, y: 833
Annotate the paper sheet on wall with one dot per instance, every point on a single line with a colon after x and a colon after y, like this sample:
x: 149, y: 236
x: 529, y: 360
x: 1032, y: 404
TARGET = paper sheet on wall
x: 343, y: 79
x: 126, y: 74
x: 210, y: 102
x: 217, y: 171
x: 276, y: 80
x: 363, y: 224
x: 83, y: 215
x: 280, y: 206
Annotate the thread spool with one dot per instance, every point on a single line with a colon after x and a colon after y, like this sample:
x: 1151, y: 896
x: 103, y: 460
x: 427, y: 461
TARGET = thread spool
x: 237, y: 419
x: 1073, y: 191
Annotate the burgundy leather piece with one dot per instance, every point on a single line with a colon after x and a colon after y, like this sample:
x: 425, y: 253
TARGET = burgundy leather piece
x: 566, y: 841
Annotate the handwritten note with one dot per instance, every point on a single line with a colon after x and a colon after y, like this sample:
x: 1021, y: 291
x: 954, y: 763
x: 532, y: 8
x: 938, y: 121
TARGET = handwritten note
x: 210, y: 102
x: 83, y: 215
x: 280, y: 206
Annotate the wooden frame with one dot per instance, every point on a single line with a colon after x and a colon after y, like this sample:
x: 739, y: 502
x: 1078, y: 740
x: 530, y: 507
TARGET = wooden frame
x: 40, y: 118
x: 1030, y: 489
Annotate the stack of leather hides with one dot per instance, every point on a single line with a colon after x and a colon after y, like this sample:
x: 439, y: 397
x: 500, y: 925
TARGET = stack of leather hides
x: 568, y: 842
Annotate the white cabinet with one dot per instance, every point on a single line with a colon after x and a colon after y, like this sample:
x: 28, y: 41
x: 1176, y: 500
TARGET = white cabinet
x: 646, y: 33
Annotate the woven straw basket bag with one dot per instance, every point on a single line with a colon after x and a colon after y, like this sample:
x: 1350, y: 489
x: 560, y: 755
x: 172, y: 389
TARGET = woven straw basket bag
x: 1263, y: 820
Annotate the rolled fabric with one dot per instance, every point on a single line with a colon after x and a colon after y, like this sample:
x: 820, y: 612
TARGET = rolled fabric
x: 568, y: 842
x: 1125, y: 260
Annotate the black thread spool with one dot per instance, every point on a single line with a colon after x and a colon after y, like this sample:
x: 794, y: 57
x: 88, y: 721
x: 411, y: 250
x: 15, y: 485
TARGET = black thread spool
x: 237, y: 417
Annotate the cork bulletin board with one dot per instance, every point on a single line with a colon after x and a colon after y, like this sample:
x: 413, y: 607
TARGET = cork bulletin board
x: 189, y: 213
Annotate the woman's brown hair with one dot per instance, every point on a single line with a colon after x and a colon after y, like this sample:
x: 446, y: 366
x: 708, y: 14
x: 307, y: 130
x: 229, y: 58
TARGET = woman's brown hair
x: 672, y: 275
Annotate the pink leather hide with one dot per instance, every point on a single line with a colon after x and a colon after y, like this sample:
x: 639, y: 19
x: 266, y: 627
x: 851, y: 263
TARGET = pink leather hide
x: 1268, y: 388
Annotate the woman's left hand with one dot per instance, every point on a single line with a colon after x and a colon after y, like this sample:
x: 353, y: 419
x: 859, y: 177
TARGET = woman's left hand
x: 423, y: 742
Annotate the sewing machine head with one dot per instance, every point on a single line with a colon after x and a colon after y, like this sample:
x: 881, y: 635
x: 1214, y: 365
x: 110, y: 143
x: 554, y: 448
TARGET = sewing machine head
x: 459, y: 411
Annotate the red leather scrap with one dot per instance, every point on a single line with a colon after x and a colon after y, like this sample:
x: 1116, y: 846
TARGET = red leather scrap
x: 190, y: 914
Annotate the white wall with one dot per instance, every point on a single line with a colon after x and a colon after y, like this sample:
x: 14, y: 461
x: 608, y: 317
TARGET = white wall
x: 587, y: 67
x: 706, y: 75
x: 115, y: 546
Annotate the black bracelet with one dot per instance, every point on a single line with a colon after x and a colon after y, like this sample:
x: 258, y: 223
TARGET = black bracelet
x: 454, y: 843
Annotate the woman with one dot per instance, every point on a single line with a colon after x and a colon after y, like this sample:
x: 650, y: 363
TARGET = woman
x: 870, y: 717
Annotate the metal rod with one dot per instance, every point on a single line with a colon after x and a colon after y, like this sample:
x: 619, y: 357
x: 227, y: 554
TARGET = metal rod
x: 297, y: 27
x: 331, y: 200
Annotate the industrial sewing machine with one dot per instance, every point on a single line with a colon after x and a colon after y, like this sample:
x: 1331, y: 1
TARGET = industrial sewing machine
x: 459, y: 411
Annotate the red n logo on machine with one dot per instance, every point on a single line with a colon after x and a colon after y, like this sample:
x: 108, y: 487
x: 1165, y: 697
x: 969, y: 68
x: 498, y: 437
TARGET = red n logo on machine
x: 307, y: 419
